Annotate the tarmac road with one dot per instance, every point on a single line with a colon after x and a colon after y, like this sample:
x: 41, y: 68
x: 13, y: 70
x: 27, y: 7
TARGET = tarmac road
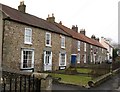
x: 111, y: 85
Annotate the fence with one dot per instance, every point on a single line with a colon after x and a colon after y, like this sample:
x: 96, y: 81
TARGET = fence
x: 115, y: 65
x: 100, y: 69
x: 20, y: 82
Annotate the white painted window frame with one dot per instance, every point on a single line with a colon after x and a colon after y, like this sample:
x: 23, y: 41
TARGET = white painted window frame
x: 22, y: 57
x: 62, y: 41
x: 78, y: 58
x: 85, y: 46
x: 60, y: 59
x: 28, y: 36
x: 49, y: 45
x: 78, y: 45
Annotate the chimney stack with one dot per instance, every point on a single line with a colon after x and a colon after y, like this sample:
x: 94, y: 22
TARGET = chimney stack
x: 97, y: 39
x: 75, y: 28
x: 93, y: 37
x: 60, y: 22
x: 51, y: 19
x: 22, y: 7
x: 82, y: 31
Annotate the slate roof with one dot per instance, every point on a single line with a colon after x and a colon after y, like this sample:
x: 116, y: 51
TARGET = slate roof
x: 25, y: 18
x: 80, y: 36
x: 15, y: 15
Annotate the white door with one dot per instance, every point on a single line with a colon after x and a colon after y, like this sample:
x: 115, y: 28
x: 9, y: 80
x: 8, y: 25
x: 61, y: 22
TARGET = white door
x: 47, y: 60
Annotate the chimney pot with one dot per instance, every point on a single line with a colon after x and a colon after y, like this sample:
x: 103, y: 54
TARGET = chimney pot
x: 51, y: 19
x: 60, y: 22
x: 82, y: 31
x: 22, y: 7
x: 75, y: 28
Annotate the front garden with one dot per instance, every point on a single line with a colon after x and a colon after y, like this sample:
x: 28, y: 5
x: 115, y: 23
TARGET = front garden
x: 81, y: 76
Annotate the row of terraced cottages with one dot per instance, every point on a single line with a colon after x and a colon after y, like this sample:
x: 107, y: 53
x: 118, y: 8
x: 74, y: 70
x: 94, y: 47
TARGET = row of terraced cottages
x: 30, y: 43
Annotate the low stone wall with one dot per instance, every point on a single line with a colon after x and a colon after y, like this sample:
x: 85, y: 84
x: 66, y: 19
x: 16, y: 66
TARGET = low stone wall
x: 103, y: 78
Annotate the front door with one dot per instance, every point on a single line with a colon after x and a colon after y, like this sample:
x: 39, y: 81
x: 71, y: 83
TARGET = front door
x: 47, y: 60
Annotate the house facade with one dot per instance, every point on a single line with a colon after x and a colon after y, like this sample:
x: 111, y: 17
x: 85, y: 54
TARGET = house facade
x: 29, y: 43
x: 106, y: 43
x: 87, y: 50
x: 32, y: 44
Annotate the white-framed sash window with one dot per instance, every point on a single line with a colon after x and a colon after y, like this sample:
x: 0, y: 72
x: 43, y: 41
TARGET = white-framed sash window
x: 28, y: 36
x: 27, y: 58
x: 62, y: 42
x: 62, y: 59
x: 48, y: 39
x: 85, y: 47
x: 78, y: 45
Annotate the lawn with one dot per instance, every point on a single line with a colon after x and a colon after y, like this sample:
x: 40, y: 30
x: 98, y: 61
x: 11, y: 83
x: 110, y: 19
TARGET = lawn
x: 73, y: 79
x: 83, y: 70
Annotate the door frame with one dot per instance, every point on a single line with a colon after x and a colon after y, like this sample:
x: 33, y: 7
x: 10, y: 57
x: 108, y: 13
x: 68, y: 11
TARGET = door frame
x: 49, y: 66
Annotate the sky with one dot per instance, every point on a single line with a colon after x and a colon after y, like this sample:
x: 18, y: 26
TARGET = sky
x: 98, y: 17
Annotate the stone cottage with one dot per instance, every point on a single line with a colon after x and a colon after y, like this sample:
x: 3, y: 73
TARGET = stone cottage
x: 29, y: 43
x: 87, y: 50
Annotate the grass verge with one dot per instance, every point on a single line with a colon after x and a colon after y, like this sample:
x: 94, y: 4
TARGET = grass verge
x: 72, y: 79
x: 83, y: 70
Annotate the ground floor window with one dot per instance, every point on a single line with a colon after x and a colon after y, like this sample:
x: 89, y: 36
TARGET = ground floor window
x: 78, y: 58
x: 27, y: 58
x: 84, y: 58
x: 62, y: 60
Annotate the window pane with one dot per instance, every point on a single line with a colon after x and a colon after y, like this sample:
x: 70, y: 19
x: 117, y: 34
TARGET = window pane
x: 27, y: 59
x: 63, y: 42
x: 28, y: 35
x: 62, y: 62
x: 48, y: 39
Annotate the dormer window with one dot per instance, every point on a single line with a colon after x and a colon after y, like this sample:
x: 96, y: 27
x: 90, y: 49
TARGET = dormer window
x: 28, y: 36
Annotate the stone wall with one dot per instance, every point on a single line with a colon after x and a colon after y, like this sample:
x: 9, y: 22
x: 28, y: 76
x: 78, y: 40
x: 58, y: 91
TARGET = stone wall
x: 14, y: 41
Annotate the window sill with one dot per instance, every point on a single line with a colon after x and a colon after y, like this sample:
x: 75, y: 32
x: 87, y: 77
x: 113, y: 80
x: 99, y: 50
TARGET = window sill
x: 63, y: 47
x: 48, y: 46
x: 78, y: 49
x: 27, y: 68
x: 27, y: 43
x: 62, y: 65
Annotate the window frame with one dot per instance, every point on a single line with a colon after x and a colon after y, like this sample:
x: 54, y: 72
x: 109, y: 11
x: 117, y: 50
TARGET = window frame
x: 22, y: 58
x: 85, y: 47
x: 47, y: 33
x: 62, y: 41
x: 61, y: 58
x: 79, y: 45
x: 26, y: 36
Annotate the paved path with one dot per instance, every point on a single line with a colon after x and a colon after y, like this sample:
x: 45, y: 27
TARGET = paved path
x: 111, y: 85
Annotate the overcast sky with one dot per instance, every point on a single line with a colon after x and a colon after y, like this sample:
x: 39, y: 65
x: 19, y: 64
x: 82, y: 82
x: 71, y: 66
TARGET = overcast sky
x: 98, y: 17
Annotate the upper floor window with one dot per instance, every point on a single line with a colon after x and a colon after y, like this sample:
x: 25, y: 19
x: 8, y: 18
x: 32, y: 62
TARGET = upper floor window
x: 28, y: 36
x: 85, y: 47
x: 102, y: 50
x: 48, y: 39
x: 78, y: 45
x: 91, y: 48
x: 62, y: 42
